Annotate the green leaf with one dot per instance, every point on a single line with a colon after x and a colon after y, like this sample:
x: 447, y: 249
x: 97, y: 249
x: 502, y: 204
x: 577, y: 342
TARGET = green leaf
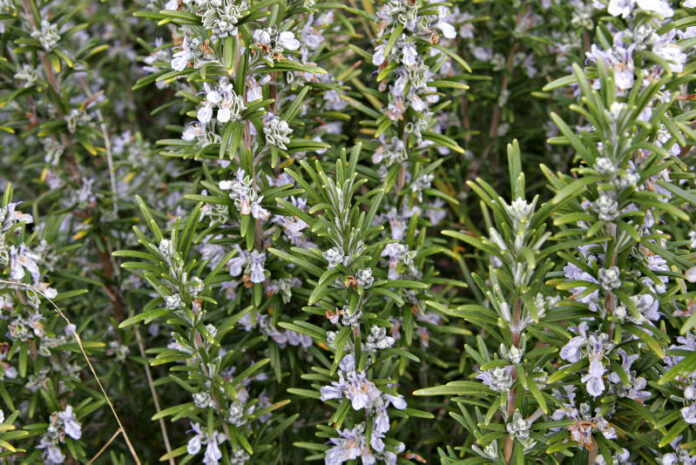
x: 688, y: 196
x: 299, y: 261
x: 229, y: 48
x: 180, y: 17
x: 305, y: 393
x: 174, y: 453
x: 148, y: 316
x: 575, y: 188
x: 453, y: 56
x: 340, y: 342
x: 560, y: 82
x: 455, y: 388
x: 579, y: 147
x: 175, y: 410
x: 302, y: 327
x: 686, y: 365
x: 294, y: 108
x: 673, y: 432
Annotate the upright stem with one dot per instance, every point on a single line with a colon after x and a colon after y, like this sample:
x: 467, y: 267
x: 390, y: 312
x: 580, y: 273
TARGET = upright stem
x: 72, y: 167
x: 495, y: 121
x: 512, y: 393
x: 611, y: 298
x: 218, y: 409
x: 258, y: 225
x: 155, y: 397
x: 247, y: 148
x: 402, y: 172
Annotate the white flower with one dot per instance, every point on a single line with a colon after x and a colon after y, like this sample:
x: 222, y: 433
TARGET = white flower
x: 620, y: 7
x: 212, y: 95
x: 692, y: 234
x: 348, y: 446
x: 483, y: 54
x: 205, y: 114
x: 180, y: 60
x: 519, y: 210
x: 410, y: 55
x: 673, y: 54
x: 287, y: 40
x: 572, y: 350
x: 212, y: 454
x: 378, y: 339
x: 52, y: 453
x: 661, y: 7
x: 258, y: 212
x: 241, y: 191
x: 194, y: 445
x: 70, y: 423
x: 254, y: 89
x: 378, y: 57
x: 593, y: 379
x: 235, y: 414
x: 689, y: 414
x: 443, y: 23
x: 236, y: 263
x: 193, y: 131
x: 262, y: 37
x: 23, y: 259
x: 256, y: 261
x: 690, y: 274
x: 229, y: 104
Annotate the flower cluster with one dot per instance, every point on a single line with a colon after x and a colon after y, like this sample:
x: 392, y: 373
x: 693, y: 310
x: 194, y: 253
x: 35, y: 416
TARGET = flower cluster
x: 391, y: 231
x: 61, y: 424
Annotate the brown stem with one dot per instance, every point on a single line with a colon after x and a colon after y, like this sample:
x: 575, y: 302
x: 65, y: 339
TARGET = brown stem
x: 592, y: 452
x: 512, y: 393
x: 198, y: 340
x: 72, y: 167
x: 402, y: 171
x: 495, y: 121
x: 113, y: 293
x: 246, y: 140
x: 75, y: 174
x: 401, y: 179
x: 611, y: 298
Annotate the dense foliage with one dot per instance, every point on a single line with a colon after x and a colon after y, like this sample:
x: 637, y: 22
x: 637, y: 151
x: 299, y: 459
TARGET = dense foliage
x: 385, y: 231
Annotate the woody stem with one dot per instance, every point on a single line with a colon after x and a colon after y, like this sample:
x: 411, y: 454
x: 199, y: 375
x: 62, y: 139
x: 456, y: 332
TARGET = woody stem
x: 512, y: 393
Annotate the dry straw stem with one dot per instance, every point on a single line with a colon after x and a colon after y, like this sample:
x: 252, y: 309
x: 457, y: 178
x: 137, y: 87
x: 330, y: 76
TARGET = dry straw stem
x: 91, y: 367
x: 105, y: 446
x: 141, y: 346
